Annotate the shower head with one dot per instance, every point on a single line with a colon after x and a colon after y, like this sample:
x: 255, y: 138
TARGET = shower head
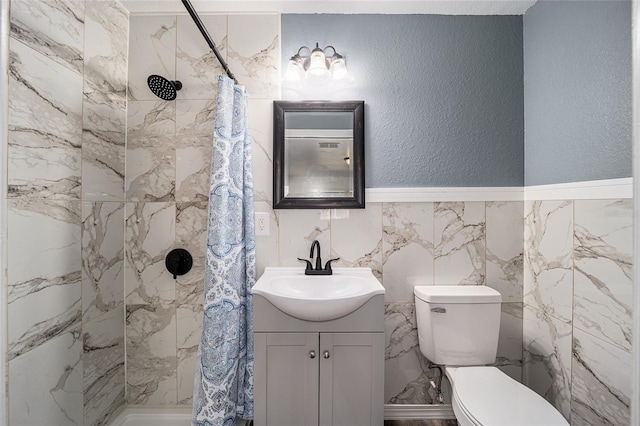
x: 163, y: 88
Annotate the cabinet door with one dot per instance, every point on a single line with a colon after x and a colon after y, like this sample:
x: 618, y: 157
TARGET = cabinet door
x: 351, y: 379
x: 286, y: 379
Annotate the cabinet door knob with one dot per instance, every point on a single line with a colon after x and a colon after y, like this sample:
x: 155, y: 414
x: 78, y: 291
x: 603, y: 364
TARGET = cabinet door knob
x: 325, y: 354
x: 312, y: 354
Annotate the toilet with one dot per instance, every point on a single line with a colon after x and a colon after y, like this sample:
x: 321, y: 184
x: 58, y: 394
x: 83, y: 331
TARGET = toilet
x: 458, y: 328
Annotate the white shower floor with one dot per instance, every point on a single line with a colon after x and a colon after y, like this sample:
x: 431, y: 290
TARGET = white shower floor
x: 181, y: 416
x: 156, y: 416
x: 153, y: 416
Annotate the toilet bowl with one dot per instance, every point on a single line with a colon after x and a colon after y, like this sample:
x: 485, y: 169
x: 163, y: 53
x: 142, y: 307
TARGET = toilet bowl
x: 487, y: 396
x: 458, y: 327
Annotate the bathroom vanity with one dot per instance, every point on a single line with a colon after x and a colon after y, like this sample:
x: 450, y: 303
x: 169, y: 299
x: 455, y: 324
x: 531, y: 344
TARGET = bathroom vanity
x: 319, y: 372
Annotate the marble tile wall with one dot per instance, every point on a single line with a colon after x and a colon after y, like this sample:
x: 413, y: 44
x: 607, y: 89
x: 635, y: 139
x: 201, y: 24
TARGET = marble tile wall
x: 65, y: 199
x: 166, y: 182
x: 577, y: 307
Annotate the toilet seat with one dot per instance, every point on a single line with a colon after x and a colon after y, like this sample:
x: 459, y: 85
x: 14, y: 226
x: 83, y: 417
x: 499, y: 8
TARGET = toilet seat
x: 485, y: 396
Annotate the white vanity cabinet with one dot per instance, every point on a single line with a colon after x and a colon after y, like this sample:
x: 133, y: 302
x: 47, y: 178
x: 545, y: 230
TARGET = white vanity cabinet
x: 328, y: 373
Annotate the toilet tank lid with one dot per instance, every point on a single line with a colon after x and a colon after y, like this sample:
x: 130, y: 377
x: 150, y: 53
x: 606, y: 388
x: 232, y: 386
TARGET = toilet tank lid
x: 457, y: 294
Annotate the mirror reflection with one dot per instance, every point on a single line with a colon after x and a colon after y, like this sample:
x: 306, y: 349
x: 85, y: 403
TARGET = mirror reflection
x: 318, y: 154
x: 318, y: 149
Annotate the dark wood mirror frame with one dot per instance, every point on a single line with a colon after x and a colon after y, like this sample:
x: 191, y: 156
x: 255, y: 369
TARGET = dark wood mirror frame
x: 279, y: 199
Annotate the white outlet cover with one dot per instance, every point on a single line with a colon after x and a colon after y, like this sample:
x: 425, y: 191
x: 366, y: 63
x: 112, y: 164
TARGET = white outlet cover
x: 262, y: 221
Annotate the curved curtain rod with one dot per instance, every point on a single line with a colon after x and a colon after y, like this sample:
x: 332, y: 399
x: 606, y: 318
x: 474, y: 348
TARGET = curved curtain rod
x: 207, y: 38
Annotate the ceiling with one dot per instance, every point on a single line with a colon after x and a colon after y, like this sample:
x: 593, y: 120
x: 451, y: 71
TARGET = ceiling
x: 439, y: 7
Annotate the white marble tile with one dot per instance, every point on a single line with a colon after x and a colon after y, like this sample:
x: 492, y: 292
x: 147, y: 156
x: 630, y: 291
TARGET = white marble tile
x: 44, y: 278
x: 407, y: 244
x: 151, y: 354
x: 196, y: 65
x: 402, y: 364
x: 53, y: 28
x: 104, y: 105
x: 193, y: 172
x: 190, y: 286
x: 254, y: 56
x: 189, y: 319
x: 46, y: 384
x: 150, y: 174
x: 195, y: 120
x: 505, y: 224
x: 149, y: 236
x: 406, y: 370
x: 547, y: 358
x: 267, y: 245
x: 187, y: 362
x: 261, y: 132
x: 603, y: 257
x: 45, y: 126
x: 103, y: 361
x: 459, y: 243
x: 548, y: 267
x: 151, y: 123
x: 191, y: 227
x: 105, y: 48
x: 601, y: 383
x: 151, y: 151
x: 509, y: 354
x: 357, y: 239
x: 102, y: 258
x: 152, y: 50
x: 297, y: 230
x: 103, y: 167
x: 191, y: 234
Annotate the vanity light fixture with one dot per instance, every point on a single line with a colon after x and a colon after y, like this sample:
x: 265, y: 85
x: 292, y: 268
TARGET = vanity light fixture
x: 316, y: 68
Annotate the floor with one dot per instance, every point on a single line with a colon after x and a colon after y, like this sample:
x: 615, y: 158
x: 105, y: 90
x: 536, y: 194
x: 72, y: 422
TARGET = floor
x: 420, y: 423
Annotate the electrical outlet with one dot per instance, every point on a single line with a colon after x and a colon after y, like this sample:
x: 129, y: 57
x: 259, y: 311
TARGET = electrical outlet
x: 262, y: 223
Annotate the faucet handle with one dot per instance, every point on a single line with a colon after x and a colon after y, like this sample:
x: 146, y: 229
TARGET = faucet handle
x: 309, y: 266
x: 327, y: 266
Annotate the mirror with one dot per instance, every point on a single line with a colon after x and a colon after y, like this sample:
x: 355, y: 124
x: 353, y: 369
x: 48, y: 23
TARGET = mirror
x: 318, y: 155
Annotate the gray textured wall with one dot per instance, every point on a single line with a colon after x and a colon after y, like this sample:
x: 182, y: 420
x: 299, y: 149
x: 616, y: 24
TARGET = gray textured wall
x: 443, y: 94
x: 577, y: 91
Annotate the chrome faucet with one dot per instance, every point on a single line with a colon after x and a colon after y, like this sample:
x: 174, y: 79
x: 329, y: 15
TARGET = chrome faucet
x: 309, y: 270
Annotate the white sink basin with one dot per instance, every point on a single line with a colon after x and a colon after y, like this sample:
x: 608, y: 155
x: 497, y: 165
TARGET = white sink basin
x: 317, y: 297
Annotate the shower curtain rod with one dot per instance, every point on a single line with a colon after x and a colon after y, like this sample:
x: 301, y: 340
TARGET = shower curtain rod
x: 207, y: 37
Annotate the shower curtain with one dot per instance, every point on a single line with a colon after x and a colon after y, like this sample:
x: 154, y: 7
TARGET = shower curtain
x: 223, y: 388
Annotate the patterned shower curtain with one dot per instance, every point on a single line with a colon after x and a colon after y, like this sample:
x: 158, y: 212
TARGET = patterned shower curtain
x: 223, y: 387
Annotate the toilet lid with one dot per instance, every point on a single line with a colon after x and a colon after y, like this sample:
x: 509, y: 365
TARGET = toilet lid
x: 491, y: 397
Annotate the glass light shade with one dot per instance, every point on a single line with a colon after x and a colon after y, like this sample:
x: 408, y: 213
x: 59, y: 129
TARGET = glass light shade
x: 318, y: 73
x: 317, y: 63
x: 294, y: 72
x: 339, y: 72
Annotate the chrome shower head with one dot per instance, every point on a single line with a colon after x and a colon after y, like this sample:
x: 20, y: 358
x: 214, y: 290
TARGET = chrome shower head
x: 163, y: 88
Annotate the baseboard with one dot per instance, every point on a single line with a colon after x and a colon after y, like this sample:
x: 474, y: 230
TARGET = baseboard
x: 435, y: 194
x: 136, y: 415
x: 603, y: 189
x: 418, y: 411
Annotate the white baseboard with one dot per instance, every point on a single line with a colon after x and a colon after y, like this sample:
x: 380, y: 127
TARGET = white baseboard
x: 133, y: 415
x: 423, y: 195
x: 418, y: 411
x: 588, y: 190
x: 605, y: 189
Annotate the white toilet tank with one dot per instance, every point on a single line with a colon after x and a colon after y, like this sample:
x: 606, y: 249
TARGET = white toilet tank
x: 458, y: 324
